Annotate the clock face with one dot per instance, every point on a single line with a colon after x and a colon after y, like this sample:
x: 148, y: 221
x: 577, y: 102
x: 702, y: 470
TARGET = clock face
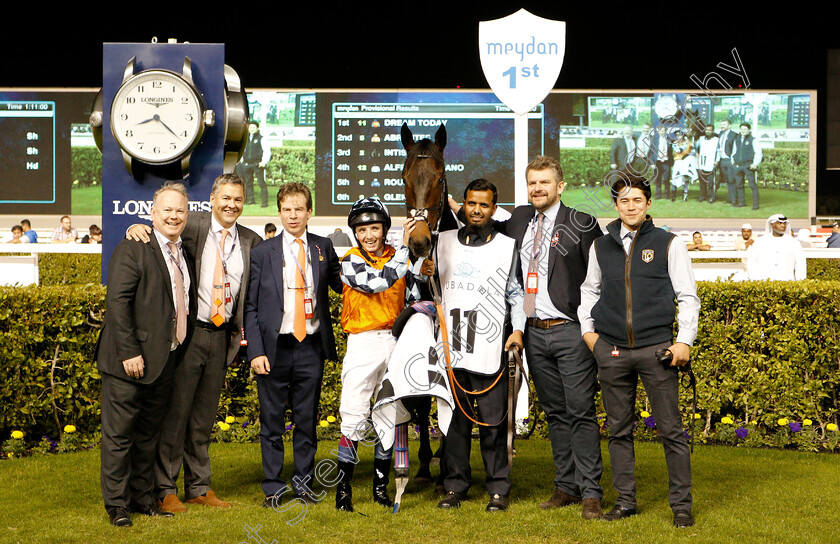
x: 157, y: 117
x: 666, y: 106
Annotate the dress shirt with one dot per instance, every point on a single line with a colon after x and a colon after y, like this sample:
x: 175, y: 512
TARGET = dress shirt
x: 235, y: 269
x: 170, y: 266
x: 290, y: 272
x: 544, y: 307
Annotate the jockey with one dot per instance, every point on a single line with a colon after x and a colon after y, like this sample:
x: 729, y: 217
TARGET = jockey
x: 376, y: 284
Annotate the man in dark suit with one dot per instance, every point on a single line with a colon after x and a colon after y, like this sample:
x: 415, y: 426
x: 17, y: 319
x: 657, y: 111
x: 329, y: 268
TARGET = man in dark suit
x: 553, y: 242
x: 289, y: 333
x: 147, y: 323
x: 661, y: 155
x: 220, y: 248
x: 726, y: 138
x: 622, y: 149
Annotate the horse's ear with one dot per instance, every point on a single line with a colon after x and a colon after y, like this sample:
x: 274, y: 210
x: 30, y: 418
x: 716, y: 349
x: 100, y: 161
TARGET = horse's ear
x: 406, y: 136
x: 440, y: 137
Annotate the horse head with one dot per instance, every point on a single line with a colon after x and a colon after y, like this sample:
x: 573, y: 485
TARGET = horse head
x: 424, y: 178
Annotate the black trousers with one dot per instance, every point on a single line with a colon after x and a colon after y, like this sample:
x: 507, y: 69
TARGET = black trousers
x: 191, y: 414
x: 295, y: 377
x: 131, y: 421
x: 489, y: 407
x: 619, y: 375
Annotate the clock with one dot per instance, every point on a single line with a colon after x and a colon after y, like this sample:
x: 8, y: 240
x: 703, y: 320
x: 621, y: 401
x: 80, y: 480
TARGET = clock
x: 158, y: 117
x: 666, y: 106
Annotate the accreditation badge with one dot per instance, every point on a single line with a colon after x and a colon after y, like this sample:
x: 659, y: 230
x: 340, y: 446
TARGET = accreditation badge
x: 531, y: 283
x: 307, y: 308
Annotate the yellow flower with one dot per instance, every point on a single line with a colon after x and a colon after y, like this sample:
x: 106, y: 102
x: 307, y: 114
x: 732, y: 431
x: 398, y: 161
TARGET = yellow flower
x: 697, y: 416
x: 69, y: 429
x: 17, y: 434
x: 324, y: 423
x: 230, y: 419
x: 727, y: 420
x: 331, y: 419
x: 782, y: 422
x: 831, y: 427
x: 224, y: 426
x: 807, y: 422
x: 645, y: 414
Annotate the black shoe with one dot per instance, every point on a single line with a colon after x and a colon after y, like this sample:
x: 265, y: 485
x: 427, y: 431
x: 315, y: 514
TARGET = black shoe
x: 619, y: 512
x: 151, y: 510
x: 119, y: 517
x: 683, y: 518
x: 451, y: 500
x: 498, y: 503
x: 381, y: 468
x: 344, y: 497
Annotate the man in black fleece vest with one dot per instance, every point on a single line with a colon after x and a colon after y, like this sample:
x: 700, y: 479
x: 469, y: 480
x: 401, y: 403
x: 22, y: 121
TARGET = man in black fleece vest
x: 627, y: 314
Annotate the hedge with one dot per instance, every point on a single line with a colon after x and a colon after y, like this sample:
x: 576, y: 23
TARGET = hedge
x: 765, y: 351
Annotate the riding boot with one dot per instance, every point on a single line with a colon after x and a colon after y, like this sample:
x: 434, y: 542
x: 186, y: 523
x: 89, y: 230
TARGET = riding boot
x: 343, y: 491
x: 381, y: 468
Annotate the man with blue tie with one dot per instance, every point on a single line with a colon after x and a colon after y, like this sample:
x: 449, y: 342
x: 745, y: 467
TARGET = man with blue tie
x: 289, y: 334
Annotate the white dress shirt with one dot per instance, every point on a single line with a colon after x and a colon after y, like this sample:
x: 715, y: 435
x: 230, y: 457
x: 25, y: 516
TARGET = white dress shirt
x: 234, y: 262
x: 290, y: 272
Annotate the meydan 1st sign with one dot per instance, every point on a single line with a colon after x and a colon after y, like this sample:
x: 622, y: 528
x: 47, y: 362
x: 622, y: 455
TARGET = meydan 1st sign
x: 521, y: 56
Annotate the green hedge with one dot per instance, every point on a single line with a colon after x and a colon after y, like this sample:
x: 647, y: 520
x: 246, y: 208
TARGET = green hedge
x: 764, y: 351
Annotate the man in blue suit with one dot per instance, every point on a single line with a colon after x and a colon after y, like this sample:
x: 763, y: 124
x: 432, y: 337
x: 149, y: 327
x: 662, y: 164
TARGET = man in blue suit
x: 289, y: 334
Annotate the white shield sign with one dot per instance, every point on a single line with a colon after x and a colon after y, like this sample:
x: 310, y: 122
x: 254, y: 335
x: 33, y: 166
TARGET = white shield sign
x: 521, y: 56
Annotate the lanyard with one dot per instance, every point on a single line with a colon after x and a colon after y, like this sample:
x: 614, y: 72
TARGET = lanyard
x: 234, y: 236
x: 307, y: 259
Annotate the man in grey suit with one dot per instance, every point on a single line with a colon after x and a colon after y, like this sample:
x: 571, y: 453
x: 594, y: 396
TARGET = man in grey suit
x: 147, y: 325
x: 221, y: 251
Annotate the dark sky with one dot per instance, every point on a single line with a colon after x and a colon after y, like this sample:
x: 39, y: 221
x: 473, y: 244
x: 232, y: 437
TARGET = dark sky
x: 309, y: 45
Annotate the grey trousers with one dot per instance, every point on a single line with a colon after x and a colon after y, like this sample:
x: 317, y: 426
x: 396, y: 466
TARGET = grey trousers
x: 619, y: 376
x: 185, y: 434
x: 565, y: 378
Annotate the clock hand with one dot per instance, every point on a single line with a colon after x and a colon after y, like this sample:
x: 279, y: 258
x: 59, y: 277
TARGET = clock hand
x: 167, y: 128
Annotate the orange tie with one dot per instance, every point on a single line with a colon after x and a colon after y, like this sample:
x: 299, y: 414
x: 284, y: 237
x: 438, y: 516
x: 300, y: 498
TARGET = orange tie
x: 300, y: 313
x: 218, y: 295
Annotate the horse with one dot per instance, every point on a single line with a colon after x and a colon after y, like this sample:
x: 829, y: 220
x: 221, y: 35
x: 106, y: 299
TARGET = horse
x: 426, y: 200
x: 426, y: 197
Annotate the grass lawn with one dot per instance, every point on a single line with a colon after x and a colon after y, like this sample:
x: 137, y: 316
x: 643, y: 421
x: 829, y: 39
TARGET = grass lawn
x: 86, y: 201
x: 741, y: 495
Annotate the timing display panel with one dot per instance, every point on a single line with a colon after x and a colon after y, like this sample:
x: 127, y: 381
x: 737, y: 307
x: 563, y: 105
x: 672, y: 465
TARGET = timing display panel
x: 28, y: 151
x: 368, y: 154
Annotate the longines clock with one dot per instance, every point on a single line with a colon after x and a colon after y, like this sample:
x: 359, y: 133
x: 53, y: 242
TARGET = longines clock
x: 158, y: 116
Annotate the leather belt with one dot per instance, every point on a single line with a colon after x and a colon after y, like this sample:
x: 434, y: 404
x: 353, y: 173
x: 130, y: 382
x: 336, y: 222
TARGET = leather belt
x: 546, y: 323
x: 210, y: 326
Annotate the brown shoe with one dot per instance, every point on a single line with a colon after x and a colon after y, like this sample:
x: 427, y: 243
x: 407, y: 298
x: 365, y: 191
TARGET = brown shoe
x: 209, y: 499
x: 591, y: 509
x: 559, y: 500
x: 171, y: 503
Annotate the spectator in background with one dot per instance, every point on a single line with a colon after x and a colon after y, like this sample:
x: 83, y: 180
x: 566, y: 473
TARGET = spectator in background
x: 254, y: 161
x: 94, y: 235
x: 833, y: 241
x: 804, y: 237
x: 270, y: 230
x: 339, y: 238
x: 776, y: 255
x: 697, y: 243
x: 28, y: 233
x: 17, y: 235
x: 65, y: 234
x: 746, y: 156
x: 746, y: 240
